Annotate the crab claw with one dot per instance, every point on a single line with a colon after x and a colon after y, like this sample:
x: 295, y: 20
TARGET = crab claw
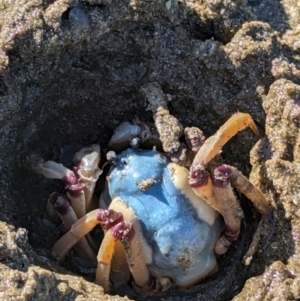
x: 123, y: 134
x: 127, y: 132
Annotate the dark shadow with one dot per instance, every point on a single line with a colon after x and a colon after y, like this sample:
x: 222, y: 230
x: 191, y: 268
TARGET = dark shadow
x: 75, y: 91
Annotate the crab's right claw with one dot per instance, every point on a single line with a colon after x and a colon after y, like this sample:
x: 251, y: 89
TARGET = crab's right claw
x: 127, y: 131
x: 123, y: 134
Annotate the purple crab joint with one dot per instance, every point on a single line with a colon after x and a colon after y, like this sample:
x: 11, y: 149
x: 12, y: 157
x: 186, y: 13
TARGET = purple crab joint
x: 76, y: 196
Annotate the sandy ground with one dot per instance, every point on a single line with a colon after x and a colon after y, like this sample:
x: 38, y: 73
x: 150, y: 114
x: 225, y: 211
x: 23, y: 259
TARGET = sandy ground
x: 71, y: 71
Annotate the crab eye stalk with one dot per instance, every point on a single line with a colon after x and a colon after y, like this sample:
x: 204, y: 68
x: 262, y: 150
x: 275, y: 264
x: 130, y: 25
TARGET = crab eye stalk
x: 135, y: 143
x: 111, y: 157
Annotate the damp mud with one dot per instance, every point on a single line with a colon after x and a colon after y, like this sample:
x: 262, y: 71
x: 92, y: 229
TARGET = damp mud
x: 71, y: 71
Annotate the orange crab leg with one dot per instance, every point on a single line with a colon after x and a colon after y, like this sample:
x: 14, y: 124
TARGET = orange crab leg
x: 104, y: 259
x: 137, y: 251
x: 231, y: 127
x: 198, y: 176
x: 207, y: 193
x: 83, y: 226
x: 68, y: 217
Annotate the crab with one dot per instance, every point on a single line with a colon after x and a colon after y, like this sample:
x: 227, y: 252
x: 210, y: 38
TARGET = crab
x: 167, y: 213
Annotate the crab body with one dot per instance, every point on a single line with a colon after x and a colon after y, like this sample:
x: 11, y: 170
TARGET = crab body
x: 164, y: 215
x: 181, y: 237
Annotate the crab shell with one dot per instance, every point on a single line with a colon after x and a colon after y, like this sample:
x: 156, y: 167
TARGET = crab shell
x: 179, y: 228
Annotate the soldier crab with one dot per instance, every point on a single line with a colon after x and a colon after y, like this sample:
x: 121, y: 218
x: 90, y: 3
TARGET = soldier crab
x: 163, y: 223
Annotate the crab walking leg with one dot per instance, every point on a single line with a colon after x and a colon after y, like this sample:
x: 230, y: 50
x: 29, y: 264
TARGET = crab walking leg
x: 119, y: 272
x: 168, y: 127
x: 202, y: 185
x: 77, y: 198
x: 229, y: 208
x: 194, y: 138
x: 170, y: 130
x: 241, y: 183
x: 76, y: 195
x: 90, y: 184
x: 83, y: 226
x: 68, y: 217
x: 231, y: 127
x: 137, y: 250
x: 86, y: 161
x: 52, y: 213
x: 121, y: 231
x: 125, y: 232
x: 255, y: 242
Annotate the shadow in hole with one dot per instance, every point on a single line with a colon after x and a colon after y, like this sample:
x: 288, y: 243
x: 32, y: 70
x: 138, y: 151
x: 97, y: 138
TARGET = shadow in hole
x: 76, y: 94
